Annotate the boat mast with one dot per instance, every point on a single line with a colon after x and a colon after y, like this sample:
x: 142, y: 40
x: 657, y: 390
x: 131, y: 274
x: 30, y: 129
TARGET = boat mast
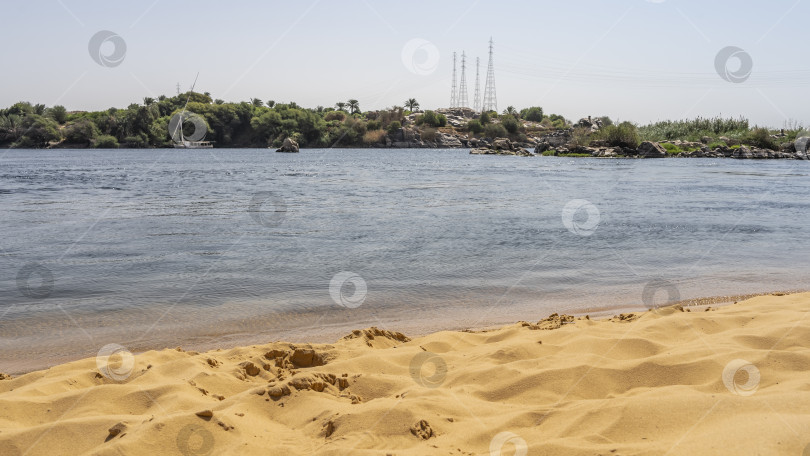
x: 180, y: 121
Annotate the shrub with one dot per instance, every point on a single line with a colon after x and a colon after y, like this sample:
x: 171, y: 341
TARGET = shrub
x: 394, y: 127
x: 373, y: 125
x: 475, y: 126
x: 760, y: 137
x: 81, y: 132
x: 335, y: 115
x: 374, y: 137
x: 534, y: 114
x: 693, y: 129
x: 58, y: 113
x: 106, y: 142
x: 492, y: 130
x: 623, y: 135
x: 510, y: 124
x: 581, y: 136
x: 429, y: 134
x: 484, y: 119
x: 432, y: 119
x: 671, y: 149
x: 558, y: 121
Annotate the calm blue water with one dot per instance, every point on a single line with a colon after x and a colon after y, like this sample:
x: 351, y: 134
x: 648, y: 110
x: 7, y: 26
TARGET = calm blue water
x: 153, y: 247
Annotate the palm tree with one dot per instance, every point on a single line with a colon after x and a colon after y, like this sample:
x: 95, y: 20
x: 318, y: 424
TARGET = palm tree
x: 148, y: 101
x: 270, y: 103
x: 412, y: 104
x: 354, y: 106
x: 257, y: 102
x: 341, y: 106
x: 510, y: 111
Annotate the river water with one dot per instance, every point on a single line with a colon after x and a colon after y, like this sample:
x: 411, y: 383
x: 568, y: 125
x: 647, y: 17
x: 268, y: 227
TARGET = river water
x: 155, y: 248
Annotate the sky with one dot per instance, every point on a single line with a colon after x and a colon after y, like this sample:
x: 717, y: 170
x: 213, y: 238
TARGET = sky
x: 636, y: 60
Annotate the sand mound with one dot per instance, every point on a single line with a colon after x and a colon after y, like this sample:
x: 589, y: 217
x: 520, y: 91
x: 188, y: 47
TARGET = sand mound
x: 730, y: 381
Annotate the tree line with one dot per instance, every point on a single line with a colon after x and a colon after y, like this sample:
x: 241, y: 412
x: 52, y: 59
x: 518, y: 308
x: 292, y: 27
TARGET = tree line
x: 254, y: 123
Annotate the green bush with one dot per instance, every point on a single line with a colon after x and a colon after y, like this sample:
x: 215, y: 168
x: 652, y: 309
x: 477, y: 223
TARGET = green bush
x: 58, y: 113
x: 557, y: 121
x: 484, y: 119
x: 394, y: 127
x: 534, y: 114
x: 372, y: 125
x: 510, y: 124
x: 492, y: 130
x: 106, y: 142
x: 693, y: 129
x: 81, y: 132
x: 335, y: 115
x: 432, y: 119
x: 760, y: 137
x: 40, y: 131
x: 475, y: 126
x: 671, y: 149
x: 623, y: 135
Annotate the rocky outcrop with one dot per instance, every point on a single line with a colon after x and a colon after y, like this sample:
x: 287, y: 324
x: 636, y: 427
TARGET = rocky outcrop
x: 649, y: 149
x: 554, y: 140
x: 289, y: 145
x: 447, y: 141
x: 592, y: 123
x: 501, y: 146
x: 405, y: 138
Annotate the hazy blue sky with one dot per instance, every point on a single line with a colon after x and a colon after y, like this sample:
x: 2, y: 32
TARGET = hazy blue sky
x: 634, y: 60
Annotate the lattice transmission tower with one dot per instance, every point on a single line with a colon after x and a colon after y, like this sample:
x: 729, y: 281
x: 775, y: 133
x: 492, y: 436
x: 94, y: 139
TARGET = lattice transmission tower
x: 453, y: 99
x: 490, y: 98
x: 477, y: 97
x: 463, y: 101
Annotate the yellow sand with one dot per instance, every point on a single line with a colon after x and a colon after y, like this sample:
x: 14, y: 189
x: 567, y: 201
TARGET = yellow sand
x: 649, y: 384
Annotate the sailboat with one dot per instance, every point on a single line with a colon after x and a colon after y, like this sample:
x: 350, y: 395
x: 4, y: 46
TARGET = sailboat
x: 180, y: 141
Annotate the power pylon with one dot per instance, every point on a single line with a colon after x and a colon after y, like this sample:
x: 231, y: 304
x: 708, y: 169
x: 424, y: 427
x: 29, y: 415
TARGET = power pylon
x: 490, y: 98
x: 453, y: 99
x: 477, y: 97
x: 463, y: 100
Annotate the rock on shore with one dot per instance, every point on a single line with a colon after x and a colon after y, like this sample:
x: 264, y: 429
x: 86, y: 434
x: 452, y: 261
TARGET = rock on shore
x: 289, y: 145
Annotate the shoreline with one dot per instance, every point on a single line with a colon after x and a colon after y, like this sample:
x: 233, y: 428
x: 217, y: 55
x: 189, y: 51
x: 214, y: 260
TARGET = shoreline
x: 413, y: 326
x: 652, y: 382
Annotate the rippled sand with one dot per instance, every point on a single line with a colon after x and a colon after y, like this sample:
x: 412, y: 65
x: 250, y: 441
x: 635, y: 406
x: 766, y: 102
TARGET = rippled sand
x: 731, y: 380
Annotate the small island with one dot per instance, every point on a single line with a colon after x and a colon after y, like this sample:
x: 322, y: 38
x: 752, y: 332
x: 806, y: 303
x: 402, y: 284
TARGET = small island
x: 288, y: 126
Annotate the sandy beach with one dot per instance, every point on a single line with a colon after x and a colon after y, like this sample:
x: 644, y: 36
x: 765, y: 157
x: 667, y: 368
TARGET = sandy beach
x: 679, y: 381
